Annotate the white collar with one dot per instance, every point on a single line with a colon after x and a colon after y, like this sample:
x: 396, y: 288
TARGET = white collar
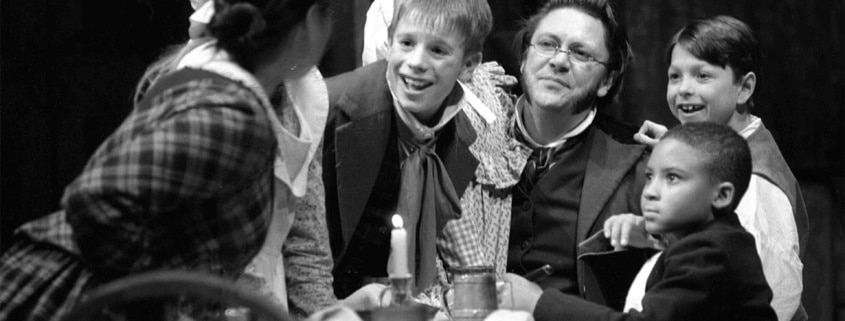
x: 748, y: 130
x: 310, y: 104
x: 476, y: 104
x: 520, y: 105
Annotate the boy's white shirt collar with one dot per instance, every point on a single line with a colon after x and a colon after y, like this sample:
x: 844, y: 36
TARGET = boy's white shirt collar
x: 520, y: 105
x: 483, y: 110
x: 752, y: 127
x: 749, y: 199
x: 423, y: 132
x: 203, y: 13
x: 310, y: 105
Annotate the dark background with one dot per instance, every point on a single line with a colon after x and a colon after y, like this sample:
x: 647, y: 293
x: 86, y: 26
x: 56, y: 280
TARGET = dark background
x: 68, y: 70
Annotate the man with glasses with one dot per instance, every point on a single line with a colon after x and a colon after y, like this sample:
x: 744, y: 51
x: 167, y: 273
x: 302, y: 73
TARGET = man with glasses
x: 584, y: 165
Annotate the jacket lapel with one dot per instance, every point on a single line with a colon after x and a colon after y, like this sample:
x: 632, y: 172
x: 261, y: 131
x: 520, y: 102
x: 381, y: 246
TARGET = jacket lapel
x: 607, y: 165
x: 364, y: 143
x: 455, y: 154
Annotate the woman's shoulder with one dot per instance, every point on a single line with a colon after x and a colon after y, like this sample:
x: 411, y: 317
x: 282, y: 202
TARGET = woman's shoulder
x: 193, y: 87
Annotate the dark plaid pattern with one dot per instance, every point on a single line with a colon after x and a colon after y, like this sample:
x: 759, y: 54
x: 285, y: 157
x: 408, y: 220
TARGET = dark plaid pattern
x: 39, y: 281
x: 184, y: 183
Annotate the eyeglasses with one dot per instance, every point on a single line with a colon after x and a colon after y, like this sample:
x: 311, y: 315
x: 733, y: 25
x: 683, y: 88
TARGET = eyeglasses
x: 551, y: 48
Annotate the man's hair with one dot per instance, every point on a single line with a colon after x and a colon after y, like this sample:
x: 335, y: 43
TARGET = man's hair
x: 616, y: 38
x: 472, y: 19
x: 726, y: 155
x: 722, y: 41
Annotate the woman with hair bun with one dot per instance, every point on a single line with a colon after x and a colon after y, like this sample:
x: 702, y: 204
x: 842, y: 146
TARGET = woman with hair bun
x: 194, y: 177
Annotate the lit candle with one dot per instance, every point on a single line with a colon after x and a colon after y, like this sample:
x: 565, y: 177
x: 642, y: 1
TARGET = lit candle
x: 398, y: 249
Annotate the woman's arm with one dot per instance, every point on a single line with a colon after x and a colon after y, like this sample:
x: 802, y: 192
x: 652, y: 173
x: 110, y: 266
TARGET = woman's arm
x: 308, y: 257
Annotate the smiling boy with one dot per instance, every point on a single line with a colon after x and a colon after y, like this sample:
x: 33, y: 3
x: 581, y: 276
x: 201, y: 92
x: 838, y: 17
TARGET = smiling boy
x: 695, y: 178
x: 397, y: 141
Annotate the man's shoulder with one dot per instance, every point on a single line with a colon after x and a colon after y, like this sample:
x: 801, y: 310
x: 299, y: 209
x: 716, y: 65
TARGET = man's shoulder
x: 617, y: 130
x: 613, y: 142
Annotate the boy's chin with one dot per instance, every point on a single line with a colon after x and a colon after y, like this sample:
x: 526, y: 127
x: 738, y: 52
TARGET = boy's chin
x: 420, y: 110
x: 654, y: 228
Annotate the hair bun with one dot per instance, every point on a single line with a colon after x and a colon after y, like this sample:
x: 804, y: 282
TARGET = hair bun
x: 236, y: 24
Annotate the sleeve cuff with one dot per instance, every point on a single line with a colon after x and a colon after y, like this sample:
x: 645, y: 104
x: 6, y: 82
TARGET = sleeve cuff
x: 550, y: 306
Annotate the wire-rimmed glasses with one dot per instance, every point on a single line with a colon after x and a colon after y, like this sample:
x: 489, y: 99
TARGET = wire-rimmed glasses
x: 551, y: 48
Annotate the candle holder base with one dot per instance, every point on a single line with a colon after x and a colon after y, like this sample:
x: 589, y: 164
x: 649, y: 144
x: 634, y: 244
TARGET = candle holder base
x: 402, y: 290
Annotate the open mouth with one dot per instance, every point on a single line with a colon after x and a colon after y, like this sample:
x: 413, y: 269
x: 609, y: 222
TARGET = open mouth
x: 690, y: 108
x: 415, y: 84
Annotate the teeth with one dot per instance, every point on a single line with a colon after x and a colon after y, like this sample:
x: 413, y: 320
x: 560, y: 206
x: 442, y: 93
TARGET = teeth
x: 689, y: 108
x: 416, y: 84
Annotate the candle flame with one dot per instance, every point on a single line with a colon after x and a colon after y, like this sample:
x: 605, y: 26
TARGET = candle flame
x: 397, y: 221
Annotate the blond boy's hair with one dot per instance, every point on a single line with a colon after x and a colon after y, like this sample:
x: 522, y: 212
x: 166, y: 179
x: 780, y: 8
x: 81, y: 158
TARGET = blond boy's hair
x: 472, y: 19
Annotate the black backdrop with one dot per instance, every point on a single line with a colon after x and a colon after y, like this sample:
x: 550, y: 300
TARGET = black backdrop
x: 68, y: 69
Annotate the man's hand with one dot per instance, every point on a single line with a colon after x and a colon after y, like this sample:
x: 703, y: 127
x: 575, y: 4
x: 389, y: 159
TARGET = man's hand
x: 524, y: 293
x: 650, y: 133
x: 628, y: 230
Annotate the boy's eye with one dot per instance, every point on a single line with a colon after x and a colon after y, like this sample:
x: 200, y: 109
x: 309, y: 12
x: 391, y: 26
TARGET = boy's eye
x: 440, y: 51
x: 672, y: 177
x: 405, y: 43
x: 648, y: 177
x: 702, y: 75
x: 674, y: 76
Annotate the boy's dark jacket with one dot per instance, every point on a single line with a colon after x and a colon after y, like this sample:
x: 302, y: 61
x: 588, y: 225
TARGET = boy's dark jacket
x: 712, y: 274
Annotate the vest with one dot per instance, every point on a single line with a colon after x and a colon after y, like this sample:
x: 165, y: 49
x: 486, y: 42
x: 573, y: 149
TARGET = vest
x: 544, y: 223
x: 768, y: 162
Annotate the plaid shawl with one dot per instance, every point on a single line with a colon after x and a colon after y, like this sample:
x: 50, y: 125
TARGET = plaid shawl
x: 184, y: 183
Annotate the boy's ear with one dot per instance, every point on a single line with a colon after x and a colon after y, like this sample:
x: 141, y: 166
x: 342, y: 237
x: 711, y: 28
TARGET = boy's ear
x: 723, y: 195
x: 746, y: 87
x: 470, y: 62
x: 607, y: 83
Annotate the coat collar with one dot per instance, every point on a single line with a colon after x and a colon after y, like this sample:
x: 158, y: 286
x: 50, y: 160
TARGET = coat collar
x: 607, y: 166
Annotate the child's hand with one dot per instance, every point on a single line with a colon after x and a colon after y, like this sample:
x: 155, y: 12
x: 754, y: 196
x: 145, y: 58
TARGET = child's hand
x: 628, y: 230
x: 650, y: 133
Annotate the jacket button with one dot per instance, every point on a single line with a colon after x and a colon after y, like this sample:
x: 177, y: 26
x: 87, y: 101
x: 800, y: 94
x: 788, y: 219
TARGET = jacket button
x: 526, y: 244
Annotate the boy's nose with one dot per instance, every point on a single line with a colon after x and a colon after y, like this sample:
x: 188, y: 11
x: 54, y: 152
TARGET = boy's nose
x: 685, y: 87
x: 650, y: 191
x: 417, y: 59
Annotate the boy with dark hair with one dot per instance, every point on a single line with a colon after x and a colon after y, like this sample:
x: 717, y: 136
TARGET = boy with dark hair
x: 709, y: 271
x: 398, y: 141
